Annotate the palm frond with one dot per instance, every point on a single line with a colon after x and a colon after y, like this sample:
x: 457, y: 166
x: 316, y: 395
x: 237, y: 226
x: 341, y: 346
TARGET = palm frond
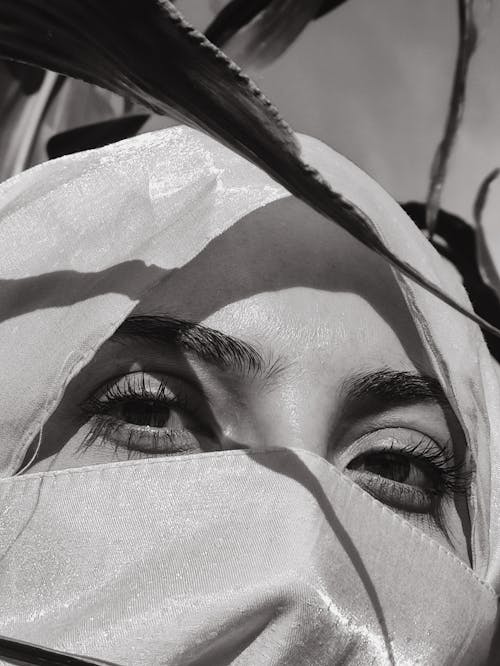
x: 145, y: 51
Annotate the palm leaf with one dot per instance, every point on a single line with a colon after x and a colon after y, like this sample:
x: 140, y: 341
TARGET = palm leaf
x: 256, y: 32
x: 328, y: 6
x: 467, y: 43
x: 145, y: 51
x: 485, y: 261
x: 29, y: 654
x: 466, y: 248
x: 272, y: 30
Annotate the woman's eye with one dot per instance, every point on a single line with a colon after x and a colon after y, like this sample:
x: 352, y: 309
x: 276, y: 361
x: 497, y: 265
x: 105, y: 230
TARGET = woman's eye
x: 152, y: 413
x: 399, y: 481
x: 406, y: 470
x: 399, y: 468
x: 144, y: 414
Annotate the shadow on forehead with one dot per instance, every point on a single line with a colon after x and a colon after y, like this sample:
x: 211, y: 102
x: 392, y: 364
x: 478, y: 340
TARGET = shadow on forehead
x: 58, y: 289
x: 281, y: 246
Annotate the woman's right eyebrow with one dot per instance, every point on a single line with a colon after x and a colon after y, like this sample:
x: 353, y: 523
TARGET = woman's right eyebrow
x: 207, y: 344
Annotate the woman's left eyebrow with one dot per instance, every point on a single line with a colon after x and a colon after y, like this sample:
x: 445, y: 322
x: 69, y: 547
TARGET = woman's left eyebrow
x: 387, y: 388
x: 206, y: 343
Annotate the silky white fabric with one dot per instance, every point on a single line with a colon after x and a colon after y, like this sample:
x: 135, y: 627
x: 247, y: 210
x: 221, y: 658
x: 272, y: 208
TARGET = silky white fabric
x: 267, y: 558
x: 114, y: 561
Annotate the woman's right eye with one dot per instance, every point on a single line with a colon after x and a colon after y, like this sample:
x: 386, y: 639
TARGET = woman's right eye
x: 152, y: 413
x: 146, y: 415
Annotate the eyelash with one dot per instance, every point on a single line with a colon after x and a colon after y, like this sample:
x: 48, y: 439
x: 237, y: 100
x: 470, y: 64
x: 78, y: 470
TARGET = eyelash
x: 452, y: 478
x: 455, y: 477
x: 114, y: 393
x: 103, y: 425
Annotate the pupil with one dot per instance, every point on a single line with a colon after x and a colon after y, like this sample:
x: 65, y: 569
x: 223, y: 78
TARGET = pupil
x: 145, y: 413
x: 390, y: 466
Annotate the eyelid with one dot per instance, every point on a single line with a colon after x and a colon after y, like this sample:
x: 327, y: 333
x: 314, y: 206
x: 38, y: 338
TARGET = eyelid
x: 115, y: 380
x: 448, y: 477
x: 116, y: 359
x: 399, y: 495
x: 107, y: 429
x: 426, y: 419
x: 395, y: 439
x: 180, y: 393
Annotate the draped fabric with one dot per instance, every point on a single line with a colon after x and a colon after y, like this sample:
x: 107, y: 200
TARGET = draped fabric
x: 153, y: 561
x: 276, y: 558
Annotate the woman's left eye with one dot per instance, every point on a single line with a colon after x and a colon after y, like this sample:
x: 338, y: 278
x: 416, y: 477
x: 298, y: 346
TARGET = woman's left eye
x: 408, y: 471
x: 398, y: 480
x: 398, y: 467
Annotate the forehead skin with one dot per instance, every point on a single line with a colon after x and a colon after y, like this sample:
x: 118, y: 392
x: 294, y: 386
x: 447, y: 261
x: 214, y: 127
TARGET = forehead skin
x: 304, y: 292
x: 296, y: 285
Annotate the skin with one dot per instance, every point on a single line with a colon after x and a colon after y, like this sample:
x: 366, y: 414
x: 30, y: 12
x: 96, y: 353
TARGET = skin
x: 320, y: 308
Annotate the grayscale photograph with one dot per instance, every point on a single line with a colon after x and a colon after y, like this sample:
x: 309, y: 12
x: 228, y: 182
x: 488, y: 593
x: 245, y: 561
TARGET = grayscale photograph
x: 249, y: 332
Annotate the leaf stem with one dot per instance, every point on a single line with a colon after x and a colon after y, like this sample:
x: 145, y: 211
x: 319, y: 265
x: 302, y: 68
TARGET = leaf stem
x: 466, y: 46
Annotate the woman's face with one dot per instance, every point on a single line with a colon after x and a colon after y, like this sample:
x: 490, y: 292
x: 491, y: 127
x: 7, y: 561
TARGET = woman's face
x: 301, y: 339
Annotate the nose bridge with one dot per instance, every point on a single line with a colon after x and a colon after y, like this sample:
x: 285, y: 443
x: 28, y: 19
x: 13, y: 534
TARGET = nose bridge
x: 296, y: 413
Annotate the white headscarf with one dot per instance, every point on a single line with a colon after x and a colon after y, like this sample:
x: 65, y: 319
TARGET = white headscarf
x: 111, y: 561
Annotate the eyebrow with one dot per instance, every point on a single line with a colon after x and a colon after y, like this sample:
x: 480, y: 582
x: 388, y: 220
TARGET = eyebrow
x: 387, y: 388
x: 364, y: 391
x: 206, y: 343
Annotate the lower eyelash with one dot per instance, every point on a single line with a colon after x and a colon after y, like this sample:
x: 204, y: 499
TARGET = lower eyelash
x: 447, y: 478
x: 393, y: 488
x: 454, y: 479
x: 103, y: 427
